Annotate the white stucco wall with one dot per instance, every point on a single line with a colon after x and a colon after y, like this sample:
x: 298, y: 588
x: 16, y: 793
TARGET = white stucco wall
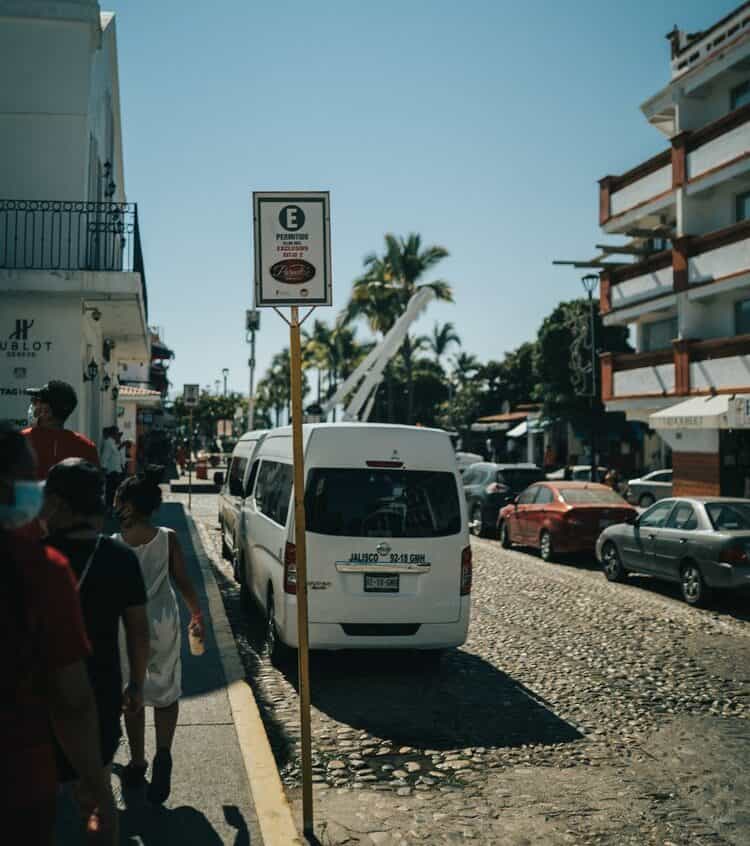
x: 721, y: 150
x: 644, y: 189
x: 716, y: 264
x: 721, y: 373
x: 640, y: 287
x: 644, y: 380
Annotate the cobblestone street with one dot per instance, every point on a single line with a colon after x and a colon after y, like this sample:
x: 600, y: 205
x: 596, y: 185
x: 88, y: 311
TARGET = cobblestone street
x: 578, y: 711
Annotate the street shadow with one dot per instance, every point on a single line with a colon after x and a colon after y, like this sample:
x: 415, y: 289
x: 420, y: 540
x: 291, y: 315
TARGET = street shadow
x: 734, y: 604
x: 409, y: 700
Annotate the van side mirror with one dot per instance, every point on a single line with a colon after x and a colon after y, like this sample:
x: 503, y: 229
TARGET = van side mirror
x: 219, y: 479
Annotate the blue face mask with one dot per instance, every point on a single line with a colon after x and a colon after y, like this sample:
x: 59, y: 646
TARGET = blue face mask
x: 28, y: 498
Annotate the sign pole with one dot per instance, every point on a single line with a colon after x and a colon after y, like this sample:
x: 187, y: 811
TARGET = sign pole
x: 190, y: 464
x: 301, y: 549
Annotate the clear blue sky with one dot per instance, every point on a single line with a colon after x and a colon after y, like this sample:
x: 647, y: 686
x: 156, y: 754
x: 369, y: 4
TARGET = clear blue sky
x: 483, y: 125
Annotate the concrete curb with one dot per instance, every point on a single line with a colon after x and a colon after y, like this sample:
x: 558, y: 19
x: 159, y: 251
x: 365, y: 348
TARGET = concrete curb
x: 271, y: 806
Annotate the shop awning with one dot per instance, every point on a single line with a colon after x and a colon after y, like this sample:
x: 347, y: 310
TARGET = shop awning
x: 722, y: 411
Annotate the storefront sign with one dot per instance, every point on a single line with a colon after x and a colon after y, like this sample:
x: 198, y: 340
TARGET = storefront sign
x: 292, y: 235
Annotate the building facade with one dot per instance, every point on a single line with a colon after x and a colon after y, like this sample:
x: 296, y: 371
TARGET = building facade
x: 72, y: 278
x: 686, y: 293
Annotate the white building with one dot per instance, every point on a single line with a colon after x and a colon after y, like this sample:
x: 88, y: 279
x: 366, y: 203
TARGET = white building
x: 687, y: 292
x: 72, y: 282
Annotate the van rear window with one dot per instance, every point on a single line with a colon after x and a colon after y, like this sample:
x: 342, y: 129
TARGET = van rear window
x: 382, y: 503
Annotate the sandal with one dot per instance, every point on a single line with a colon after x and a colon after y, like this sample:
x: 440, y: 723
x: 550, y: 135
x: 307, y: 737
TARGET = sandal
x: 133, y: 776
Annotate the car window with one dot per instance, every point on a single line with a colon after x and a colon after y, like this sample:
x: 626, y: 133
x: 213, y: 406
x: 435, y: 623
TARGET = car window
x: 236, y: 474
x: 273, y: 490
x: 518, y: 478
x: 590, y: 496
x: 529, y: 495
x: 251, y: 477
x: 545, y: 496
x: 656, y: 516
x: 665, y: 476
x: 399, y: 503
x: 728, y: 516
x: 683, y: 517
x: 471, y: 476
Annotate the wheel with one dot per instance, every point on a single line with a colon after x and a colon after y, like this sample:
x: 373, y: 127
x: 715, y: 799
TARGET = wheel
x: 646, y: 500
x: 476, y: 523
x: 694, y: 589
x: 505, y: 540
x: 545, y: 546
x: 226, y: 552
x: 278, y: 652
x: 612, y: 564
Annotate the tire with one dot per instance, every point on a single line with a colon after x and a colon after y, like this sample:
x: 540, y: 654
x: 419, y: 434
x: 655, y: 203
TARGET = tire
x: 476, y: 525
x: 694, y: 589
x: 279, y: 654
x: 646, y: 500
x: 505, y: 540
x: 226, y: 552
x: 246, y: 597
x: 546, y: 552
x: 612, y: 563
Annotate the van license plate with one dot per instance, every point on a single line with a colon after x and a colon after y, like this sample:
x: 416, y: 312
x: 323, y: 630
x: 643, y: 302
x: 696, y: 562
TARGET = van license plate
x: 381, y: 584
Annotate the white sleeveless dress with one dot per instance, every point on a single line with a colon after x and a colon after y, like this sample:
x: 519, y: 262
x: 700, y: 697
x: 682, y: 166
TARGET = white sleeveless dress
x: 163, y: 684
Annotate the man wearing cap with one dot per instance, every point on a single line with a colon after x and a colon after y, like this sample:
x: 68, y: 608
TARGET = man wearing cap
x: 50, y: 407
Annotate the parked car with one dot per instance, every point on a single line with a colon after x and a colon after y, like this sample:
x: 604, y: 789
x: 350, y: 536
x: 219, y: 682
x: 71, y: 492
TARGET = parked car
x: 232, y: 489
x: 558, y: 518
x: 578, y: 473
x: 466, y: 459
x: 388, y: 554
x: 646, y: 490
x: 488, y: 487
x: 701, y: 543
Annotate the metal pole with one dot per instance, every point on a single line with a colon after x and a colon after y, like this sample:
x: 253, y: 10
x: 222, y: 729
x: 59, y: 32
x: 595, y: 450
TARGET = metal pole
x: 301, y: 556
x: 592, y: 330
x: 251, y: 395
x: 190, y: 464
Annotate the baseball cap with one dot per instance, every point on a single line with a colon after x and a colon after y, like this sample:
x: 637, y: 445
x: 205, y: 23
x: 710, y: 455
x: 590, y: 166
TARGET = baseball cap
x: 60, y: 396
x: 79, y: 483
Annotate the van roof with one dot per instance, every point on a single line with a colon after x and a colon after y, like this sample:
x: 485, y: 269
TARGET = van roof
x: 254, y: 435
x: 309, y: 428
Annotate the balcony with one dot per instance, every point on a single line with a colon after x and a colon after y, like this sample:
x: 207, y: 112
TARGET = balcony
x: 60, y: 236
x: 691, y: 51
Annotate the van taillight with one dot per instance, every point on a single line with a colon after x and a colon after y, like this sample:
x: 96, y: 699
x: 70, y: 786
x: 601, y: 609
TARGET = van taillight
x: 466, y: 568
x: 290, y: 568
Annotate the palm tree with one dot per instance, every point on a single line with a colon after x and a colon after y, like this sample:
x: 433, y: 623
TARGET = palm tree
x: 464, y: 366
x: 442, y: 337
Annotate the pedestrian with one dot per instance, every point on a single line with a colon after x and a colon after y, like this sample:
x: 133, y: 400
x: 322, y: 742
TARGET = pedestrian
x: 162, y: 562
x: 180, y: 455
x: 612, y: 479
x: 111, y: 463
x: 51, y: 405
x: 111, y: 590
x: 44, y: 687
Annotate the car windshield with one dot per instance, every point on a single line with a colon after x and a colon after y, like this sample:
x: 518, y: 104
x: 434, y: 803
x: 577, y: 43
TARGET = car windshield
x: 382, y: 503
x: 729, y: 516
x: 590, y: 496
x: 518, y: 478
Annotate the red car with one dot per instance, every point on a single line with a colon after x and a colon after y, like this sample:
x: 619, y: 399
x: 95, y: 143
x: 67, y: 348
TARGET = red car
x: 562, y: 517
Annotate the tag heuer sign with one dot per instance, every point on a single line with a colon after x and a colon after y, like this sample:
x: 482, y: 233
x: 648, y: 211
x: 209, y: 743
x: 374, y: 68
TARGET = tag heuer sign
x: 292, y: 233
x: 190, y: 395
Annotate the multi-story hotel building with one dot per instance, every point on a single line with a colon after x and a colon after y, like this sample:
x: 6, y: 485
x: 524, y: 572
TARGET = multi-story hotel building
x: 687, y: 291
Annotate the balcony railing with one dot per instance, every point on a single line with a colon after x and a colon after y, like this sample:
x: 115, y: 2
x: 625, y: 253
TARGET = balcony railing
x: 71, y: 235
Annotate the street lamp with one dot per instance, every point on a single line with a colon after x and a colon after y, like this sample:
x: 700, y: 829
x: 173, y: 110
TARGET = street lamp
x: 589, y: 282
x: 225, y: 374
x: 252, y: 325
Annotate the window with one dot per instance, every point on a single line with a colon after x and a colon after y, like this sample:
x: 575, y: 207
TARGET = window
x: 662, y: 476
x: 659, y: 334
x: 657, y: 515
x: 740, y: 95
x: 590, y: 496
x: 471, y: 476
x: 683, y: 518
x: 251, y: 478
x: 529, y: 495
x: 742, y: 207
x: 728, y: 517
x: 273, y: 490
x: 742, y: 317
x: 382, y: 503
x: 236, y: 475
x: 517, y: 478
x: 545, y: 496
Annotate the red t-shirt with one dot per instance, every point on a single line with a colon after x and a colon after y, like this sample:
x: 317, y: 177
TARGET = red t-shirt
x: 41, y: 630
x: 53, y: 445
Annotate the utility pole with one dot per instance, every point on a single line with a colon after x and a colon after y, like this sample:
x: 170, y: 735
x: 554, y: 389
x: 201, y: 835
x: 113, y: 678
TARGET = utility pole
x: 252, y: 324
x: 589, y: 282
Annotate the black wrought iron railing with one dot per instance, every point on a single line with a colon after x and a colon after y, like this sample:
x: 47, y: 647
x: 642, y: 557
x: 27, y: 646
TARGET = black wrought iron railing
x: 70, y: 235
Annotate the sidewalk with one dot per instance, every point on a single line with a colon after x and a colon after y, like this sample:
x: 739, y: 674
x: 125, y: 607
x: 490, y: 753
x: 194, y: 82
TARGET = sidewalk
x: 211, y: 801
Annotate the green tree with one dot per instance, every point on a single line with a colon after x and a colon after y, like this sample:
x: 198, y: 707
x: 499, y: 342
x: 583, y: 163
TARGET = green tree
x: 441, y: 339
x: 465, y: 365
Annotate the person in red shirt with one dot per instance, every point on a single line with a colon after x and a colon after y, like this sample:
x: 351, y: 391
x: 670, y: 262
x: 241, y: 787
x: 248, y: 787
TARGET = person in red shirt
x: 44, y: 680
x: 51, y: 405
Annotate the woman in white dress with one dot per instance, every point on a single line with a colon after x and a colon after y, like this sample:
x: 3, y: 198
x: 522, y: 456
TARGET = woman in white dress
x: 162, y: 562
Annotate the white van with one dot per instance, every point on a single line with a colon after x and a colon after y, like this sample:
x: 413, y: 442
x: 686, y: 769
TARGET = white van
x: 232, y: 488
x: 388, y: 555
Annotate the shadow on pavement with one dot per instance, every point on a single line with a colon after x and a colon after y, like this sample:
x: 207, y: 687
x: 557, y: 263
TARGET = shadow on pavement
x: 465, y: 701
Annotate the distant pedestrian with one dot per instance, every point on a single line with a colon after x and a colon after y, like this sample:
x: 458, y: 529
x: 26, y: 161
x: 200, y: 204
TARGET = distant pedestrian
x: 162, y: 562
x: 111, y: 463
x: 612, y: 479
x: 50, y: 407
x: 44, y: 687
x: 111, y: 590
x: 180, y: 457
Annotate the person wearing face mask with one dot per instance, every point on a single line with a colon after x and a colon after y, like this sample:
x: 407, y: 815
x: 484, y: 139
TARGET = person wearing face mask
x: 44, y: 686
x: 51, y: 405
x: 111, y: 590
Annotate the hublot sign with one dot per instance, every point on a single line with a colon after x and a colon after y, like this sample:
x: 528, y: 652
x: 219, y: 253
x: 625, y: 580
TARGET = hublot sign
x: 21, y: 344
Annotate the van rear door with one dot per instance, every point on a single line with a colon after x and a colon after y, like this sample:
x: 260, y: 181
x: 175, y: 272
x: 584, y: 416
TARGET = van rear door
x: 384, y: 544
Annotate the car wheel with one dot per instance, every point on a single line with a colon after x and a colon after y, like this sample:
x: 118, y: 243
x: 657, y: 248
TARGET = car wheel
x: 612, y: 563
x: 505, y: 540
x: 278, y: 652
x: 246, y: 599
x: 226, y: 552
x: 646, y: 500
x: 545, y: 546
x: 694, y: 589
x: 476, y: 524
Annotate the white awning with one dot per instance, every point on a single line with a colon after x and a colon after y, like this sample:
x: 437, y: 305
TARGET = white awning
x: 723, y: 411
x: 519, y: 431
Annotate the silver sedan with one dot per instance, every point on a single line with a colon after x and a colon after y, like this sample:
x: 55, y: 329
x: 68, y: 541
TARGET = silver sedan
x: 700, y: 543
